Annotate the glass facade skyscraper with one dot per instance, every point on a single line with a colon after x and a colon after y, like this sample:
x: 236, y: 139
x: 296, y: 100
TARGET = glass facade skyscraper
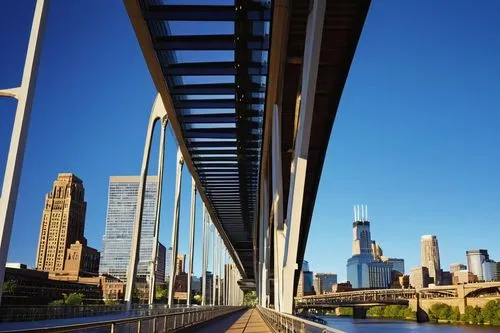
x: 122, y: 201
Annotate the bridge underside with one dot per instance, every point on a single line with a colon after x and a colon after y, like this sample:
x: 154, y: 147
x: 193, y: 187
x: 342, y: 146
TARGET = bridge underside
x: 342, y: 27
x: 220, y: 70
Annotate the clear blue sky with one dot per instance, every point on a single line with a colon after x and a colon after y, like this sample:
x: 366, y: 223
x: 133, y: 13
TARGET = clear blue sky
x: 415, y: 136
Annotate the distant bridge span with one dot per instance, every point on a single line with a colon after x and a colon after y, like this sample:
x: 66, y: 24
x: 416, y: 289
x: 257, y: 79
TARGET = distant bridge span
x: 418, y: 299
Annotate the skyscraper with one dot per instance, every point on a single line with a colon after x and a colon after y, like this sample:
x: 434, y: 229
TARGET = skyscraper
x: 475, y: 260
x: 167, y: 261
x: 161, y: 263
x: 430, y: 257
x: 180, y: 264
x: 63, y: 222
x: 324, y: 282
x: 457, y: 267
x: 122, y: 201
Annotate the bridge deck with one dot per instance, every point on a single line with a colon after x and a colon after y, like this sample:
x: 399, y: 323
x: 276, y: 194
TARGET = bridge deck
x: 249, y: 321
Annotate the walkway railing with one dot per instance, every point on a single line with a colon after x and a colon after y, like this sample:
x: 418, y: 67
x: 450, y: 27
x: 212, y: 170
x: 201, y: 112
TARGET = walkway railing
x: 158, y: 323
x: 284, y: 323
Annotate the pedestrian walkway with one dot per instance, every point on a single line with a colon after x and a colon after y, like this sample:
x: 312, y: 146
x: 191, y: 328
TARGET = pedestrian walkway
x: 248, y: 321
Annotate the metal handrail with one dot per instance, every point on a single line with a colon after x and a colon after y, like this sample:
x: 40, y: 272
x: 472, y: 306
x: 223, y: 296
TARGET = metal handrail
x: 168, y: 321
x: 284, y: 323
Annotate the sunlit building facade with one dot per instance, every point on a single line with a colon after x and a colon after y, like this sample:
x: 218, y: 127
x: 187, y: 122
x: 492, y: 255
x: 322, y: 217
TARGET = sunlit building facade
x: 117, y: 240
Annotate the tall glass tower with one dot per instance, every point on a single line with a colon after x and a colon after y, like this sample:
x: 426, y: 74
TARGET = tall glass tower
x: 122, y: 201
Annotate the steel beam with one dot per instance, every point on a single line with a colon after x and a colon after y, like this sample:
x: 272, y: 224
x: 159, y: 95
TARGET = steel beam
x: 159, y: 186
x: 314, y: 32
x: 191, y: 241
x: 157, y: 113
x: 205, y: 234
x: 175, y: 228
x: 24, y: 95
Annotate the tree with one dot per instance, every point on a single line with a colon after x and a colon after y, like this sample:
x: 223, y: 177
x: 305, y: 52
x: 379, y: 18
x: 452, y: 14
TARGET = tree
x: 161, y: 292
x: 9, y: 287
x: 197, y: 299
x: 491, y: 312
x: 410, y: 314
x: 250, y: 299
x: 473, y: 315
x: 73, y: 299
x: 376, y: 311
x: 111, y: 302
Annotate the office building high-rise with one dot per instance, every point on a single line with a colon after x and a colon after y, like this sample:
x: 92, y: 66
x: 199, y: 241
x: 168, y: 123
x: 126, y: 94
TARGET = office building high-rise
x: 457, y: 267
x: 397, y: 264
x: 167, y: 262
x: 305, y: 284
x: 419, y: 277
x: 63, y: 222
x: 117, y: 241
x: 324, y: 282
x: 475, y: 260
x: 365, y: 268
x: 180, y: 264
x: 489, y: 270
x: 161, y: 263
x: 430, y: 257
x: 376, y: 251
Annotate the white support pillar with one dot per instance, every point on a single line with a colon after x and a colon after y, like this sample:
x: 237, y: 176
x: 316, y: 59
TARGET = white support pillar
x: 314, y: 32
x: 158, y: 112
x: 219, y: 269
x: 175, y: 228
x: 24, y: 95
x: 278, y: 229
x: 263, y: 230
x: 213, y: 265
x: 191, y: 241
x: 206, y: 232
x: 159, y: 186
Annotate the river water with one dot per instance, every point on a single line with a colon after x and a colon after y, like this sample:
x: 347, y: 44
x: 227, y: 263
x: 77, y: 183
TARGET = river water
x: 350, y: 325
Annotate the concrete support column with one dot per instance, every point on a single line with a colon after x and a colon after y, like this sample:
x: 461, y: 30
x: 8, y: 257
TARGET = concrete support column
x: 24, y: 95
x: 159, y: 186
x: 314, y: 32
x: 175, y: 228
x: 191, y: 241
x: 219, y: 271
x: 206, y: 232
x: 214, y: 265
x: 158, y: 112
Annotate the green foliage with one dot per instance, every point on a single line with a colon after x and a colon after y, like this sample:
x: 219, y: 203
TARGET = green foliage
x: 111, y: 302
x: 161, y: 292
x: 392, y: 311
x: 491, y: 312
x: 473, y: 315
x: 197, y: 299
x: 376, y: 311
x: 440, y: 311
x: 9, y: 287
x: 345, y: 311
x: 250, y: 299
x: 410, y: 314
x: 73, y: 299
x: 58, y: 302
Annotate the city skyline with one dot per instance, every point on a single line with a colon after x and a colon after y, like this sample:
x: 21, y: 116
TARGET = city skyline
x: 414, y: 180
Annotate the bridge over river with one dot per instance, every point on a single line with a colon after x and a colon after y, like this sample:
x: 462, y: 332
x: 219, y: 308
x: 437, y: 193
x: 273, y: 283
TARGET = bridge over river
x: 420, y: 300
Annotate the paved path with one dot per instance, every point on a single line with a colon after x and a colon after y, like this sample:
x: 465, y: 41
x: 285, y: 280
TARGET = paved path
x: 248, y: 321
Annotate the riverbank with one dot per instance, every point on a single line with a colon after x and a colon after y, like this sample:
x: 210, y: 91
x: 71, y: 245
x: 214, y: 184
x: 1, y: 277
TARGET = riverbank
x: 439, y: 313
